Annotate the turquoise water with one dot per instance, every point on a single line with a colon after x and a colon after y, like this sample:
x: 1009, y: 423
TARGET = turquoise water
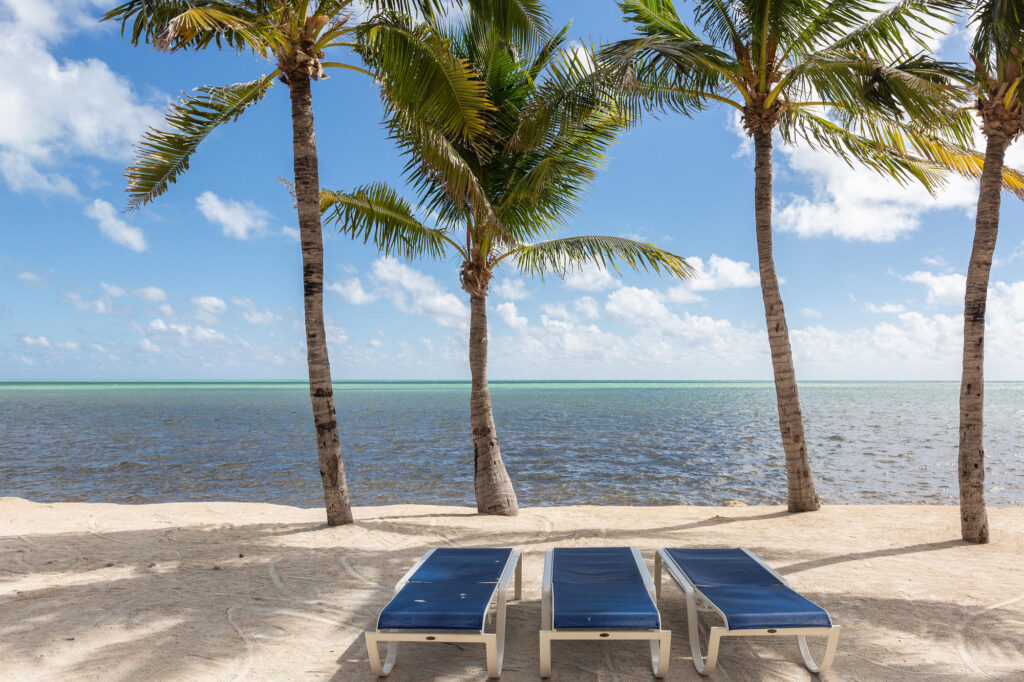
x: 564, y: 442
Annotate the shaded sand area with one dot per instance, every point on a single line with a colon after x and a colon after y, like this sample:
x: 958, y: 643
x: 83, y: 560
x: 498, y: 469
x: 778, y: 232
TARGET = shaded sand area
x: 257, y: 591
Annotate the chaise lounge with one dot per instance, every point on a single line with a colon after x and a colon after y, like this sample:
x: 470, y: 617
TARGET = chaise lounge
x: 751, y: 598
x: 603, y: 593
x: 447, y: 596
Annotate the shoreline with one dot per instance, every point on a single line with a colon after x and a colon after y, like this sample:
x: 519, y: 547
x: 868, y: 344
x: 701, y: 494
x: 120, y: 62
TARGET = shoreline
x: 229, y: 590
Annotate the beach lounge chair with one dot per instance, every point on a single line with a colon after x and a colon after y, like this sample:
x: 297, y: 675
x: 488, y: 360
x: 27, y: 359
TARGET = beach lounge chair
x: 447, y: 596
x: 751, y: 598
x: 600, y: 593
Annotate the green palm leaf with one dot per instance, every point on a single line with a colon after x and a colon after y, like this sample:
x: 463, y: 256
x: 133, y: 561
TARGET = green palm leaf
x: 376, y: 213
x: 161, y: 156
x: 559, y: 256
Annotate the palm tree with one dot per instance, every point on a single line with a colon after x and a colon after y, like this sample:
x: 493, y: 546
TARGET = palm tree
x: 419, y: 76
x: 835, y: 74
x: 492, y: 198
x: 998, y: 56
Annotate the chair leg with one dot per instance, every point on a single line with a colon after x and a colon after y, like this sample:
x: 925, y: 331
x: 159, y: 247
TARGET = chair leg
x: 657, y: 575
x: 545, y: 654
x: 493, y: 657
x: 830, y: 651
x: 714, y: 636
x: 661, y: 652
x: 519, y: 579
x: 389, y: 660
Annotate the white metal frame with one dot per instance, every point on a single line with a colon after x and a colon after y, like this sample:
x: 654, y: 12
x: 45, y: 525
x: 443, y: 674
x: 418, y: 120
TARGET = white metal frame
x: 697, y: 601
x: 494, y: 642
x: 661, y: 640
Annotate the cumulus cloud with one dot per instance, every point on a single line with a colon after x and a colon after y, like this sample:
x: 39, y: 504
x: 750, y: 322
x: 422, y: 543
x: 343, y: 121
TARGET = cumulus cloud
x: 155, y: 294
x: 253, y: 314
x: 556, y: 311
x: 209, y: 308
x: 587, y: 307
x: 238, y: 219
x: 591, y: 278
x: 856, y: 204
x: 184, y: 334
x: 413, y: 292
x: 30, y: 278
x: 352, y: 291
x: 290, y: 233
x: 40, y: 341
x: 509, y: 314
x: 54, y: 109
x: 511, y: 289
x: 149, y: 346
x: 718, y: 273
x: 811, y: 312
x: 113, y: 290
x: 886, y: 308
x: 942, y: 289
x: 97, y: 306
x: 113, y: 228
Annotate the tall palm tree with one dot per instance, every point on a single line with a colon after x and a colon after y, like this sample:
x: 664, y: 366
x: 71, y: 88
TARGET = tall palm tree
x: 998, y: 56
x: 835, y: 74
x: 420, y: 77
x: 493, y: 198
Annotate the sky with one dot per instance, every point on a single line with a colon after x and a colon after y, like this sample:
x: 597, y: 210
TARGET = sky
x: 205, y: 282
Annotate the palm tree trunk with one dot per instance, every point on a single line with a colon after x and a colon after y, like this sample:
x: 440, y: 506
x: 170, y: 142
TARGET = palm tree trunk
x: 973, y: 517
x: 494, y: 491
x: 321, y: 390
x: 802, y: 495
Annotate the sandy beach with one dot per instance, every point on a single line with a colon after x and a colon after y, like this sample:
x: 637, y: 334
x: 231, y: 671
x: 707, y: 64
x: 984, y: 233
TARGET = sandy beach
x: 257, y: 591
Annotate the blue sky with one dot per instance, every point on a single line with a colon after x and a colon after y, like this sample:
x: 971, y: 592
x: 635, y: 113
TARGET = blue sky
x: 206, y: 282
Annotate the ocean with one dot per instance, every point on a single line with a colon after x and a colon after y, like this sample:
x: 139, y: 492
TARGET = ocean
x: 638, y: 443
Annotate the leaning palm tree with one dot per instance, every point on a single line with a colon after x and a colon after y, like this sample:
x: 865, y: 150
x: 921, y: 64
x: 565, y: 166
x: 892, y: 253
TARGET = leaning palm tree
x: 494, y: 200
x: 998, y: 56
x: 418, y: 73
x: 834, y: 74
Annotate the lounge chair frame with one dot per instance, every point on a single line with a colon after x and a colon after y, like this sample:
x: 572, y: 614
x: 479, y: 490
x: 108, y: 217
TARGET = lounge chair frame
x: 696, y: 601
x: 661, y: 640
x: 494, y: 642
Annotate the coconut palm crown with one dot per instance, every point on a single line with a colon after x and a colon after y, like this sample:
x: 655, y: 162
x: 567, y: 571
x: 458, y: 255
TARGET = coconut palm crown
x: 997, y: 53
x: 499, y: 198
x: 413, y: 65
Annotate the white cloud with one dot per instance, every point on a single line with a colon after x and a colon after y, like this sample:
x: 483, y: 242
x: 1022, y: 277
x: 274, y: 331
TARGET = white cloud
x: 511, y: 289
x: 811, y: 312
x: 239, y: 220
x: 113, y: 228
x: 936, y: 261
x: 98, y: 306
x: 510, y: 315
x: 184, y: 334
x: 208, y: 308
x: 415, y: 293
x: 67, y: 345
x: 113, y: 290
x: 886, y: 308
x: 718, y: 273
x: 149, y: 346
x: 253, y: 314
x: 166, y: 310
x: 53, y: 109
x: 30, y: 278
x: 591, y: 278
x: 556, y: 311
x: 352, y: 292
x: 40, y: 341
x: 587, y: 307
x: 155, y: 294
x: 290, y: 233
x: 942, y: 289
x: 858, y: 204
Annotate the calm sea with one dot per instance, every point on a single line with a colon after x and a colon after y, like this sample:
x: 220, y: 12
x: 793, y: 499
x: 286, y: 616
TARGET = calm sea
x: 563, y: 442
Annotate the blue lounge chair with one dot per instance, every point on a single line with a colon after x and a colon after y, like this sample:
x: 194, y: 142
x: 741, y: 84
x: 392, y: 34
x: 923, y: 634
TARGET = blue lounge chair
x: 600, y: 593
x: 751, y: 598
x: 447, y: 596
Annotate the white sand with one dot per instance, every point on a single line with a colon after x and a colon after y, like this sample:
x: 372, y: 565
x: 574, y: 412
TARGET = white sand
x: 161, y: 592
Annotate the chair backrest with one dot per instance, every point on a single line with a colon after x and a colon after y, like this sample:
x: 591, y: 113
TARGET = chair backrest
x: 590, y: 565
x: 463, y: 565
x: 722, y: 567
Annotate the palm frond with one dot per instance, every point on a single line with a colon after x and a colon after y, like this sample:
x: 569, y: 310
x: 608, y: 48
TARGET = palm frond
x: 376, y: 213
x: 161, y: 156
x: 559, y: 256
x: 420, y: 76
x: 193, y: 24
